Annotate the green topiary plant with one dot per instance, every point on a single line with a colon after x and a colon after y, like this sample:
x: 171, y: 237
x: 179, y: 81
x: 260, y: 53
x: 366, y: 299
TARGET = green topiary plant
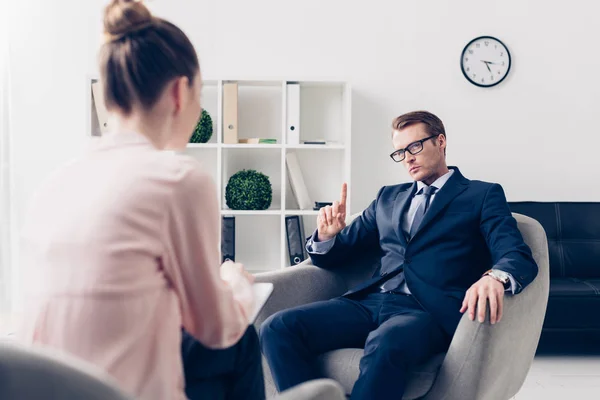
x: 248, y: 190
x: 204, y: 129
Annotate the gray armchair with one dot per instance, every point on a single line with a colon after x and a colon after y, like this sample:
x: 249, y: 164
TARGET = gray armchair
x: 484, y: 362
x: 36, y: 374
x: 47, y: 374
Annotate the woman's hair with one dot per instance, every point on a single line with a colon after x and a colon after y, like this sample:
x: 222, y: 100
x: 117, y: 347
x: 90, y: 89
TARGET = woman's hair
x: 141, y: 54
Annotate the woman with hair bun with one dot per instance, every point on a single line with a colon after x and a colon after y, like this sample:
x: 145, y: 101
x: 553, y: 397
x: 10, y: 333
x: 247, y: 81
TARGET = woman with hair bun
x: 122, y: 243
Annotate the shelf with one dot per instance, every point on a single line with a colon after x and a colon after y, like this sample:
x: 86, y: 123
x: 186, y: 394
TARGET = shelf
x: 261, y: 241
x: 202, y: 145
x: 301, y: 212
x: 322, y: 112
x: 258, y: 241
x: 250, y: 212
x: 255, y: 83
x: 317, y: 168
x: 260, y: 110
x: 316, y: 146
x: 267, y: 146
x: 251, y: 146
x: 265, y: 160
x: 269, y: 212
x: 323, y: 84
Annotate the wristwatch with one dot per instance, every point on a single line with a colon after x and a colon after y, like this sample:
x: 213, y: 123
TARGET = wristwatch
x: 500, y: 276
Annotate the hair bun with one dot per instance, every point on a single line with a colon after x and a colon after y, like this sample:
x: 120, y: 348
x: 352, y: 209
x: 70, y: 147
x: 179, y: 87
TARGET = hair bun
x: 123, y: 17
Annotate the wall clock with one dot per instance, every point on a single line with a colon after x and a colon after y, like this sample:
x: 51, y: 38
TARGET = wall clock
x: 485, y: 61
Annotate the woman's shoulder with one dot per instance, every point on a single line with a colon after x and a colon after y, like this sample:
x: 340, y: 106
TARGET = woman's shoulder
x: 183, y: 168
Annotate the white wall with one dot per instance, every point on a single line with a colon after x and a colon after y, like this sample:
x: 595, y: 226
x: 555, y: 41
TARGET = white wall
x: 399, y: 56
x: 5, y: 275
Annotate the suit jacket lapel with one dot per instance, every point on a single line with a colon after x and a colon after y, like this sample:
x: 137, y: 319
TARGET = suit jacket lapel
x: 455, y: 185
x: 400, y: 204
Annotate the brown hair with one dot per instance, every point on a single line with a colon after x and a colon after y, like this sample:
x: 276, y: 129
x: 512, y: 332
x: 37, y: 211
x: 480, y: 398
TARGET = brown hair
x: 433, y: 125
x: 141, y: 55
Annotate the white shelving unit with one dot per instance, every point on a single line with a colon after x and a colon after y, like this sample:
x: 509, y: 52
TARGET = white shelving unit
x: 325, y: 113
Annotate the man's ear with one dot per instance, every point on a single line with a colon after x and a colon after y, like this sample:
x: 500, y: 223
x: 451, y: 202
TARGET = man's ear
x: 442, y: 140
x: 443, y: 143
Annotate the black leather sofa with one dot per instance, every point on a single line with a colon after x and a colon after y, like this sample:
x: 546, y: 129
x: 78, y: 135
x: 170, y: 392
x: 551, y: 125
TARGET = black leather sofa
x: 573, y: 231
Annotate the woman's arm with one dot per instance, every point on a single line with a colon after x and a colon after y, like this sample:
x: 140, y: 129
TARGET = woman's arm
x: 210, y: 311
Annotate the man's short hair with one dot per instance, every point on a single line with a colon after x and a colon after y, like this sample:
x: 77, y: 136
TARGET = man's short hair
x: 433, y: 125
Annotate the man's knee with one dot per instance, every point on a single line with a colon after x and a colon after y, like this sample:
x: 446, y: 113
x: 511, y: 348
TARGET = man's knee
x: 277, y: 325
x: 396, y: 344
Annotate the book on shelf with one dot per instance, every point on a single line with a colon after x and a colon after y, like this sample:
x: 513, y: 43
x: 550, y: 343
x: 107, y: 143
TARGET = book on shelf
x: 297, y: 182
x: 230, y: 113
x: 319, y: 141
x: 257, y: 141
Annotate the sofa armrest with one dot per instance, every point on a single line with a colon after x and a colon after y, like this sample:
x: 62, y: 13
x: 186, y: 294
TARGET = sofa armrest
x: 492, y: 361
x: 300, y: 284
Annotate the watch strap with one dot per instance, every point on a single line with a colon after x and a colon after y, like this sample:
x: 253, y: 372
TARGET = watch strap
x: 506, y: 283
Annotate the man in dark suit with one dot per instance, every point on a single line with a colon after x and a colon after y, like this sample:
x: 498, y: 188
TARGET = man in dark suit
x: 448, y: 245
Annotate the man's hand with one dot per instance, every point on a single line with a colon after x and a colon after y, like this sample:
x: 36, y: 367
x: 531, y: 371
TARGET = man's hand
x: 332, y: 219
x: 487, y: 289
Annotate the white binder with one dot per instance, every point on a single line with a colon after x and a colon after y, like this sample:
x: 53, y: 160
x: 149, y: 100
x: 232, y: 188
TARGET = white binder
x: 100, y: 107
x: 293, y: 113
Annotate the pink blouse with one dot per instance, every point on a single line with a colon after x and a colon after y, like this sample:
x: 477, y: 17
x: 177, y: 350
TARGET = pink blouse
x: 122, y: 249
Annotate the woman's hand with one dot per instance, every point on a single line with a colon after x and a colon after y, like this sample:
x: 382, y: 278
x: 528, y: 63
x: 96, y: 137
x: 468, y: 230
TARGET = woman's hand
x: 231, y: 271
x: 240, y: 281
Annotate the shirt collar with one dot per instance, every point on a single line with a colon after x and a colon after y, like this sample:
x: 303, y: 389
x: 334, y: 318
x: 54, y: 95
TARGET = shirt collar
x: 438, y: 183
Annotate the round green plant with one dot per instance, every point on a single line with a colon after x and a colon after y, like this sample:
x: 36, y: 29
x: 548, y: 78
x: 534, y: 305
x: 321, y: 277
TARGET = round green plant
x: 248, y: 190
x: 204, y: 129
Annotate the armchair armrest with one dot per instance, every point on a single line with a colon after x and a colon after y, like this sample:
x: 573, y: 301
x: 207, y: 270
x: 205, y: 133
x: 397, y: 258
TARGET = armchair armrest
x: 297, y: 285
x: 492, y: 361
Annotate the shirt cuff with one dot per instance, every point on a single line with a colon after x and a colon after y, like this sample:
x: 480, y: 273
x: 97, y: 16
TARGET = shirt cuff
x: 313, y: 247
x: 514, y: 285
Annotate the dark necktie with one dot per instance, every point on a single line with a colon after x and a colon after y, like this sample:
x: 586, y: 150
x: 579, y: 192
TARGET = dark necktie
x: 424, y: 198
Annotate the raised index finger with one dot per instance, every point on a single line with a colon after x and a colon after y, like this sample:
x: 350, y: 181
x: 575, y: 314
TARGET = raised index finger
x: 343, y: 195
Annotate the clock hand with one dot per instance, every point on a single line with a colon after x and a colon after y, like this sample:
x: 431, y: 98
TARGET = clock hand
x: 487, y: 64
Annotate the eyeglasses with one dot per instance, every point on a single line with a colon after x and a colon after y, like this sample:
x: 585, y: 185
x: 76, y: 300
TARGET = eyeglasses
x: 414, y: 148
